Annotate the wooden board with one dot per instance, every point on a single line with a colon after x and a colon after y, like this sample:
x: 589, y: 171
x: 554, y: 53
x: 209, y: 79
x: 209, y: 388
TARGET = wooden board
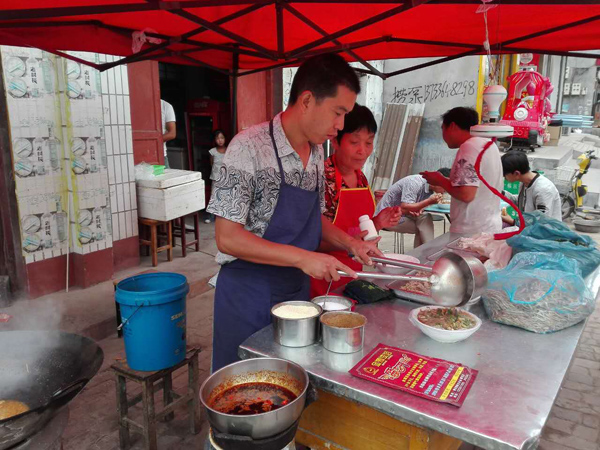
x: 339, y: 424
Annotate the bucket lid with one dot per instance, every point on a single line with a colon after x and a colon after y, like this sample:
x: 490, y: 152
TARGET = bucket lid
x: 152, y: 289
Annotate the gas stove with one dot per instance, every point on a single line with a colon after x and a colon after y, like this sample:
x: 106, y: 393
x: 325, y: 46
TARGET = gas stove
x: 49, y: 437
x: 212, y: 445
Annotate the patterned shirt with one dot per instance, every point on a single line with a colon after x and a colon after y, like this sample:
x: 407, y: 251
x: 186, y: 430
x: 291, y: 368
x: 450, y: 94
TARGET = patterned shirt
x: 482, y: 215
x: 331, y: 193
x: 246, y: 188
x: 410, y: 189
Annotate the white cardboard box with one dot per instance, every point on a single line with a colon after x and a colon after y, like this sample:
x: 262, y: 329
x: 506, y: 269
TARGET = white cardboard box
x: 172, y: 202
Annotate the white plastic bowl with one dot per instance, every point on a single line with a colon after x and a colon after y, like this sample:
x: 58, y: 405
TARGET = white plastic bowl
x: 393, y: 270
x: 445, y: 336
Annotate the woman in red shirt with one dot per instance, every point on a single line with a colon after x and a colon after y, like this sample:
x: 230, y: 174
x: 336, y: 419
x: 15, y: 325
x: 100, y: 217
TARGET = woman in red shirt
x: 347, y: 192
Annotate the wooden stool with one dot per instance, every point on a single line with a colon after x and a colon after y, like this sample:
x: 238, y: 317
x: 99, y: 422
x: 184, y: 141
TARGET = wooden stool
x: 171, y: 400
x: 179, y: 231
x: 153, y: 242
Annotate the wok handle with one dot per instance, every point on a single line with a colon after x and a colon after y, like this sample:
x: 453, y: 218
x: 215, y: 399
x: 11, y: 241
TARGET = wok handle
x: 64, y: 395
x: 385, y: 276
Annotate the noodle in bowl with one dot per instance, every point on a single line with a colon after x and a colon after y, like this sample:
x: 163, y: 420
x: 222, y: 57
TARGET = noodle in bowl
x: 439, y: 334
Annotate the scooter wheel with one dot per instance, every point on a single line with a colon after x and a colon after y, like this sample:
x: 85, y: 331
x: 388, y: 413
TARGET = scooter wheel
x: 567, y: 206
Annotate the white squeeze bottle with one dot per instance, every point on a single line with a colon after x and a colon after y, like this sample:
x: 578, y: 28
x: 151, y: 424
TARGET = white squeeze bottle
x: 33, y: 72
x: 366, y: 224
x: 54, y: 149
x: 60, y: 217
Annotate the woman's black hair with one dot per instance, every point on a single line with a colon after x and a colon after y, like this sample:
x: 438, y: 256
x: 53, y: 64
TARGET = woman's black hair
x: 513, y: 161
x: 360, y: 117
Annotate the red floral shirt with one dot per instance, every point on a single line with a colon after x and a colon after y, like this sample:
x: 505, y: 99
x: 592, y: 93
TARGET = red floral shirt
x: 331, y: 193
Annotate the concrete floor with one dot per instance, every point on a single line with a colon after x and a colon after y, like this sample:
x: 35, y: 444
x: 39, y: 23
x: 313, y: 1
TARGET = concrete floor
x: 574, y: 423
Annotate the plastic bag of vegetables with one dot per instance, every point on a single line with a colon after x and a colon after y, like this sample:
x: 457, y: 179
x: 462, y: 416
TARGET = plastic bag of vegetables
x: 540, y: 292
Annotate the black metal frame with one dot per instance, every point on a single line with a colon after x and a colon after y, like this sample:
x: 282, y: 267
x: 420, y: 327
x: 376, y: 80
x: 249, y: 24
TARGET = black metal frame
x: 27, y: 18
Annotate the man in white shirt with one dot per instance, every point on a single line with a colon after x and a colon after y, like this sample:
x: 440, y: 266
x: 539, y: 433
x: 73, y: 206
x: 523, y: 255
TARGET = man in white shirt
x: 474, y: 208
x: 167, y: 115
x: 537, y: 193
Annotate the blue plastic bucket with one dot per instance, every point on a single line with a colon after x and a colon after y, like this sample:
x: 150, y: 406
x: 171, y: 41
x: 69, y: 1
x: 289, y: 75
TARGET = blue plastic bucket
x: 153, y: 314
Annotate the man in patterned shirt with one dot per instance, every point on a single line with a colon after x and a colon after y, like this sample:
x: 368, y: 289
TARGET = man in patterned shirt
x: 269, y: 198
x: 474, y: 208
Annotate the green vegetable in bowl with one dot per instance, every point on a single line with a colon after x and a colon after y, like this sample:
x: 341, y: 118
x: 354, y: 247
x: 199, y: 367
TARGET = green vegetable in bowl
x: 446, y: 318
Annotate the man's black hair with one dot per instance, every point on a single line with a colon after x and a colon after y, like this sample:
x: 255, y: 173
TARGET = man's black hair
x: 360, y: 117
x: 463, y: 117
x: 513, y: 161
x: 444, y: 171
x: 322, y: 75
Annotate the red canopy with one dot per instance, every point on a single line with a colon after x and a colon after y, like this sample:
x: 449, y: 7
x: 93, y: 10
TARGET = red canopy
x: 257, y: 34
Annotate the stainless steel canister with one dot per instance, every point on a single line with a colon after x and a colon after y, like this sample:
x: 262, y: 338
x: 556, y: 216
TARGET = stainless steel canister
x: 296, y: 332
x: 342, y: 340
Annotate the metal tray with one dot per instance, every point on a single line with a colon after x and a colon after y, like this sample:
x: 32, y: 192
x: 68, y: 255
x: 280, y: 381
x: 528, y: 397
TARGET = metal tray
x: 394, y: 286
x: 410, y: 296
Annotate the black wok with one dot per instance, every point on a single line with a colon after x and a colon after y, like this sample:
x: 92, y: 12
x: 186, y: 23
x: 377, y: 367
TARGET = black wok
x: 45, y: 370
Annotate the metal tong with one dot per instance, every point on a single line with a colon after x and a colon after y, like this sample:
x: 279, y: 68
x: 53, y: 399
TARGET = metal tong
x: 394, y: 262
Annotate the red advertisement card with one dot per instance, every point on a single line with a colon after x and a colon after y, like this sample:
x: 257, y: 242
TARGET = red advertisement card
x: 431, y: 378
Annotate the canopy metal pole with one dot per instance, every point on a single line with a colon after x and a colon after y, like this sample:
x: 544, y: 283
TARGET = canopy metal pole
x: 234, y: 82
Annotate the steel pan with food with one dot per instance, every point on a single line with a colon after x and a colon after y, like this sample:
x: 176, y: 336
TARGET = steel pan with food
x: 333, y: 303
x: 454, y: 279
x: 40, y: 372
x: 259, y: 397
x: 296, y: 323
x: 343, y: 331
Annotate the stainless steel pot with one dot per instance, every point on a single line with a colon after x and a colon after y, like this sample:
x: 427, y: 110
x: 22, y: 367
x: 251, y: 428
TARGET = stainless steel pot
x: 296, y: 332
x: 266, y: 370
x: 342, y: 340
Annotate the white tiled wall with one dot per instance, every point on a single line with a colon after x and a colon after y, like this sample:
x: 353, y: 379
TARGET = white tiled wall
x: 70, y: 103
x: 119, y: 143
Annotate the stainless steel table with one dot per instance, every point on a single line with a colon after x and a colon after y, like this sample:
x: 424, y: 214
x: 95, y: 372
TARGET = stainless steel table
x: 520, y: 373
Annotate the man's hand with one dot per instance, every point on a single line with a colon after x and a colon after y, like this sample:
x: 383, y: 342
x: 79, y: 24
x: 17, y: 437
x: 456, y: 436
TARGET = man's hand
x: 387, y: 218
x: 435, y: 179
x: 323, y: 267
x: 362, y: 249
x: 435, y: 198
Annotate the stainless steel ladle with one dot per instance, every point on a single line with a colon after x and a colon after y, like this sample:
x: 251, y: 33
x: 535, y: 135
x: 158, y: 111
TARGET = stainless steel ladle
x: 454, y: 279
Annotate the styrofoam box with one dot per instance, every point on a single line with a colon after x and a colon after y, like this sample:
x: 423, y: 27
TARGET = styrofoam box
x: 170, y: 203
x: 171, y: 177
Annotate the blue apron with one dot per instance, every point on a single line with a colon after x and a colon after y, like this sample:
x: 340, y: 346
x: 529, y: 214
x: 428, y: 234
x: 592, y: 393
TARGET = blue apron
x: 246, y: 291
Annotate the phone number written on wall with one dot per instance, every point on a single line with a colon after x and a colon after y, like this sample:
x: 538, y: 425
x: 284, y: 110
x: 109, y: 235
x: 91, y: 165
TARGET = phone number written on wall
x: 432, y: 92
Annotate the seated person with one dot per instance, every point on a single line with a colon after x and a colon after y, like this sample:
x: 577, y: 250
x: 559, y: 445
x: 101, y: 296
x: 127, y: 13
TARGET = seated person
x: 537, y: 193
x: 413, y: 194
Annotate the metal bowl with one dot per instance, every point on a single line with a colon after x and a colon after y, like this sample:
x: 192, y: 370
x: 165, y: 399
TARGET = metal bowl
x: 341, y: 303
x: 342, y: 340
x: 267, y: 370
x: 296, y: 332
x: 586, y: 225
